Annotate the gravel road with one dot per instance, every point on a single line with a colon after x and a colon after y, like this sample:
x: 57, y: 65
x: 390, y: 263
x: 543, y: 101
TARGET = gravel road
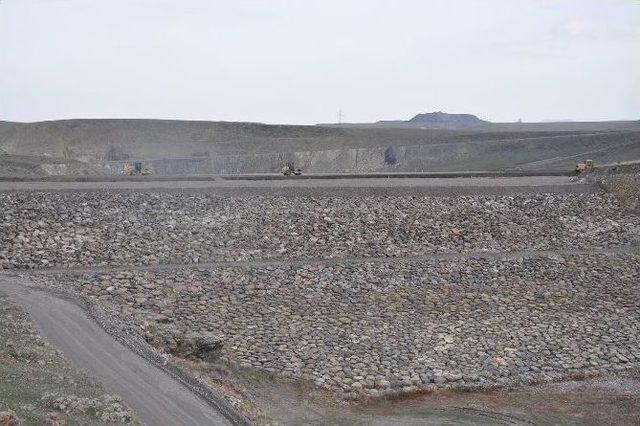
x: 338, y: 187
x: 155, y: 397
x: 491, y: 255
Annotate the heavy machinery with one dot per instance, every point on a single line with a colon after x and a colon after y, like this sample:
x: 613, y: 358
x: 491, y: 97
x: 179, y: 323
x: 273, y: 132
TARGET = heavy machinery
x: 136, y: 169
x: 584, y: 166
x: 288, y: 169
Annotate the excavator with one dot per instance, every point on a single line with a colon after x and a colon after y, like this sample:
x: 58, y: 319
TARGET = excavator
x: 136, y: 169
x: 584, y: 166
x: 288, y: 169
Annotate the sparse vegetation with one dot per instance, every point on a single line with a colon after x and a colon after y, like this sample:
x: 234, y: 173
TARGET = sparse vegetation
x: 37, y: 383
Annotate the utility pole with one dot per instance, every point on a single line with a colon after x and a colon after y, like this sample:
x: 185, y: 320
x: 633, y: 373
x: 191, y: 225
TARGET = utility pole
x: 340, y: 116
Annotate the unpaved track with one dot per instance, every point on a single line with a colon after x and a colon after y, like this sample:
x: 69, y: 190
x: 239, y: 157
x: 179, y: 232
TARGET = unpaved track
x: 324, y: 187
x: 156, y: 398
x: 454, y: 256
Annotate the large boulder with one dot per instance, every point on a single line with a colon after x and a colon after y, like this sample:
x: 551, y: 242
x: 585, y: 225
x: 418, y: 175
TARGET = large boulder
x: 205, y: 347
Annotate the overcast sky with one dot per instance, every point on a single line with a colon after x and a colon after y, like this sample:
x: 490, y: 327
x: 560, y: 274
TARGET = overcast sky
x: 279, y: 61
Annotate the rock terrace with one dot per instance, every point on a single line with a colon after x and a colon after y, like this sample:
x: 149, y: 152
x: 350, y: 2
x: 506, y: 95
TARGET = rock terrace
x: 102, y: 228
x: 384, y: 328
x: 356, y: 325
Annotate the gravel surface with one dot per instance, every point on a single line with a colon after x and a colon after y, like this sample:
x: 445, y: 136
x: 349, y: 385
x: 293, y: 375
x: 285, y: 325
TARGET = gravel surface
x: 241, y: 182
x: 386, y: 328
x: 106, y: 228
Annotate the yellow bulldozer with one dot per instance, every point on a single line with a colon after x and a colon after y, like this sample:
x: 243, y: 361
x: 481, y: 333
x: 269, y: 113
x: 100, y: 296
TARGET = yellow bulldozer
x: 136, y: 169
x: 584, y: 166
x: 288, y: 169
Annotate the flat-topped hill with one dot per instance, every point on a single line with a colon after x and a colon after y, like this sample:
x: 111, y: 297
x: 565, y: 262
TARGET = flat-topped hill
x: 462, y: 120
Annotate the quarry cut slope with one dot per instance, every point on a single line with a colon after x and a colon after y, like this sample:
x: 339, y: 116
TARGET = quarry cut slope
x: 80, y: 147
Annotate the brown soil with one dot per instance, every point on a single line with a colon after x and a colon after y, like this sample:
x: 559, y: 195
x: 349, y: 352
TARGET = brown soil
x: 276, y: 401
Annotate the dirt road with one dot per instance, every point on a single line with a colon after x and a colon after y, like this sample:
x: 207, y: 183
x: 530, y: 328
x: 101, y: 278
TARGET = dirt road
x: 156, y: 398
x: 451, y: 256
x: 337, y: 187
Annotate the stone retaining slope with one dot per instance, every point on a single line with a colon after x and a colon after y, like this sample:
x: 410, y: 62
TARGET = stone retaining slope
x: 103, y: 228
x: 396, y: 327
x: 306, y: 302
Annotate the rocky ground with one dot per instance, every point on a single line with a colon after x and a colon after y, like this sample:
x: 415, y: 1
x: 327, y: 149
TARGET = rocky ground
x: 623, y: 182
x: 379, y: 328
x: 376, y: 320
x: 135, y: 228
x: 38, y: 386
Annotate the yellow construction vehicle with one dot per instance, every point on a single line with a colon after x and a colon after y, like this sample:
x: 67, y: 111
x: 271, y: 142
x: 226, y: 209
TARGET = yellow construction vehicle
x: 136, y: 169
x: 288, y: 169
x: 584, y: 166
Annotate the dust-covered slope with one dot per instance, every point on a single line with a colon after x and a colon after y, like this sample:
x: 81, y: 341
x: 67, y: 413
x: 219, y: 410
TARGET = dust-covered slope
x: 188, y: 147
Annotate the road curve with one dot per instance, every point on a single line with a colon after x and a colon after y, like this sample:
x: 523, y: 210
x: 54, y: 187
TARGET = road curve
x: 156, y: 397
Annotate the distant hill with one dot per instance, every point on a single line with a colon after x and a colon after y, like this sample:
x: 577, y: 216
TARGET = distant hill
x: 445, y: 118
x: 438, y: 120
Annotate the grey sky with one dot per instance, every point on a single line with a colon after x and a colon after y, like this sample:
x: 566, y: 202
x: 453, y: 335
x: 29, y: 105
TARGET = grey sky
x: 283, y: 61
